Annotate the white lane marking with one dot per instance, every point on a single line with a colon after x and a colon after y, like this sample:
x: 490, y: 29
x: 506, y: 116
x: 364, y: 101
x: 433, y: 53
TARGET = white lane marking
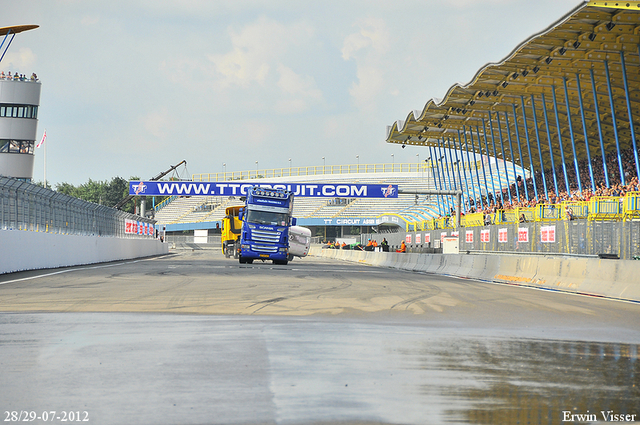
x: 73, y: 270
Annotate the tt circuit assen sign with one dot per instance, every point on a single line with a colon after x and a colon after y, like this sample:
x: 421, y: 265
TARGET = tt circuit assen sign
x: 156, y: 188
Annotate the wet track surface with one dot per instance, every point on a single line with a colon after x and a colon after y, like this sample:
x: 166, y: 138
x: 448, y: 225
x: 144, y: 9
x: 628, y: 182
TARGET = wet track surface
x: 193, y: 338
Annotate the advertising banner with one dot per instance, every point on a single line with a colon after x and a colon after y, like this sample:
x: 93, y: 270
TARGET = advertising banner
x: 407, y: 239
x: 418, y: 238
x: 188, y: 188
x: 523, y: 234
x: 469, y: 236
x: 502, y: 236
x: 548, y: 234
x: 485, y: 235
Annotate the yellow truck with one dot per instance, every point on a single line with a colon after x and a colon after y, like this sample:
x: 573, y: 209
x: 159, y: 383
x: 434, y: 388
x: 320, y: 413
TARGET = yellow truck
x: 231, y: 228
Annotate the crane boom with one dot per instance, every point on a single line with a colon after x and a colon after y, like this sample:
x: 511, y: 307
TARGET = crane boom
x: 127, y: 198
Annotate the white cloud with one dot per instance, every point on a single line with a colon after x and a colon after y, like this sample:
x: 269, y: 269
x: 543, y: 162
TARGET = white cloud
x: 256, y: 50
x: 368, y: 47
x: 300, y: 91
x: 21, y: 61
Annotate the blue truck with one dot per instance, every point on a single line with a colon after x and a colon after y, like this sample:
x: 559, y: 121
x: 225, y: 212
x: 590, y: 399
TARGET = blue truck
x: 266, y: 220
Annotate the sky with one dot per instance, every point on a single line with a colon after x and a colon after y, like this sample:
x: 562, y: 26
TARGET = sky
x: 130, y: 88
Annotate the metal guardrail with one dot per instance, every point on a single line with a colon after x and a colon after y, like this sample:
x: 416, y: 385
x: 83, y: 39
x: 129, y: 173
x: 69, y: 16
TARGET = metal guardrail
x: 315, y: 171
x: 26, y: 206
x: 565, y: 237
x: 610, y: 208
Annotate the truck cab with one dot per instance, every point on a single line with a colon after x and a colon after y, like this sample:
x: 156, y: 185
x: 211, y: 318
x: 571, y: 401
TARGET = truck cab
x: 266, y: 220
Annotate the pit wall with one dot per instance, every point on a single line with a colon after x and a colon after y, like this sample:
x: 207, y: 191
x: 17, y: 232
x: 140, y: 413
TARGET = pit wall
x: 23, y: 250
x: 618, y: 279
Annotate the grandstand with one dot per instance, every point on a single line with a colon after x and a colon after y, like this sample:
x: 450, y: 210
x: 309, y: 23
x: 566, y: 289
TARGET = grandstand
x: 181, y: 213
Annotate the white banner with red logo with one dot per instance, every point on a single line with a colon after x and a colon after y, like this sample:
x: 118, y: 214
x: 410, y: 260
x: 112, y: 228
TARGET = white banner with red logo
x: 548, y: 234
x: 133, y: 227
x: 418, y: 238
x: 502, y: 235
x: 469, y: 236
x: 485, y: 235
x: 523, y: 234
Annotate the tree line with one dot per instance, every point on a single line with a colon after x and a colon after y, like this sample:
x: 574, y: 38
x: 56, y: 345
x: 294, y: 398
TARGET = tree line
x: 107, y: 193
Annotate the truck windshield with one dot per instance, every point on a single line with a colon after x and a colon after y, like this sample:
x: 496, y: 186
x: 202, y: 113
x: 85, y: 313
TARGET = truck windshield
x: 265, y: 217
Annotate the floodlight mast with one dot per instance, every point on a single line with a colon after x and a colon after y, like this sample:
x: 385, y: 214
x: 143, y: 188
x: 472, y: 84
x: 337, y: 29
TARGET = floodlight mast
x: 456, y: 193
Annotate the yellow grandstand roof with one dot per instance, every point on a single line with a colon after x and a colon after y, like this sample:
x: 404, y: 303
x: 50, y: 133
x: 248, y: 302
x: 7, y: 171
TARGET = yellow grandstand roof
x: 593, y: 36
x: 15, y: 29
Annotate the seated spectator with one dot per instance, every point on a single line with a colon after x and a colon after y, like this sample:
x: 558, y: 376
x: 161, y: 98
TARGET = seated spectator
x: 369, y: 246
x: 385, y: 245
x: 344, y: 246
x: 569, y: 213
x: 403, y: 247
x: 523, y: 219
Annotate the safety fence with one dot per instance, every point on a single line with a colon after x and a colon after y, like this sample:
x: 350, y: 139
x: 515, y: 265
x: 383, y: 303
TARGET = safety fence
x: 571, y: 237
x: 598, y: 208
x: 26, y: 206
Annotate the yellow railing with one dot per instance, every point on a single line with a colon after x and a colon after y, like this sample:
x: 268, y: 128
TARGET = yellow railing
x: 605, y: 208
x: 631, y: 206
x: 314, y: 171
x: 473, y: 219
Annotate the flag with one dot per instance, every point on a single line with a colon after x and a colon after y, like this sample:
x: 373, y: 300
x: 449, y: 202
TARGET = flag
x: 44, y: 137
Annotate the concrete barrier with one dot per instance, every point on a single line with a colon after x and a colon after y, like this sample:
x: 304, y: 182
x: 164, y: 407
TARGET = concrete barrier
x: 23, y: 250
x: 618, y: 279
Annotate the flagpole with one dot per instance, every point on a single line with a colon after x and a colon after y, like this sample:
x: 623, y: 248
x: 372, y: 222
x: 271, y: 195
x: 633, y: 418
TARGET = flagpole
x: 45, y: 166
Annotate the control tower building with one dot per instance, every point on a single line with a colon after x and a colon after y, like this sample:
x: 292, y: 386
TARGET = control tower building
x: 19, y: 101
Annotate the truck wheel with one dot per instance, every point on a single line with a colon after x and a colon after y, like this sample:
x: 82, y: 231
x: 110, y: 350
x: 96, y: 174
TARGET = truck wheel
x: 242, y: 260
x: 290, y: 257
x: 280, y: 262
x: 249, y: 261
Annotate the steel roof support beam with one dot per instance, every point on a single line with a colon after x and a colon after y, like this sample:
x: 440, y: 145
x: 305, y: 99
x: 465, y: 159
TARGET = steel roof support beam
x: 573, y: 140
x: 13, y: 35
x: 495, y: 155
x: 443, y: 175
x: 452, y: 185
x: 486, y: 146
x: 464, y: 170
x: 546, y: 123
x: 595, y: 104
x: 535, y: 125
x: 473, y: 186
x: 513, y: 160
x: 526, y: 133
x: 484, y: 174
x: 586, y: 136
x: 613, y: 118
x: 626, y: 92
x: 524, y: 177
x: 564, y: 165
x: 435, y: 182
x: 504, y: 157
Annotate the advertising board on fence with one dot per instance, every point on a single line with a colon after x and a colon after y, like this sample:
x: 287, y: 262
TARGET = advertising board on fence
x: 469, y: 236
x: 502, y: 236
x: 523, y: 234
x: 548, y: 234
x: 485, y: 236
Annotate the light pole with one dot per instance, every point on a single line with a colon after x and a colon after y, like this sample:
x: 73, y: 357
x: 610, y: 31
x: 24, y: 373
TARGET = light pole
x: 289, y: 166
x: 256, y: 169
x: 393, y: 163
x: 418, y: 156
x: 224, y: 167
x: 324, y: 163
x: 358, y: 158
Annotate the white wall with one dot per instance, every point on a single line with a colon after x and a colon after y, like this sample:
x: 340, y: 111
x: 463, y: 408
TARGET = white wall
x: 24, y: 250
